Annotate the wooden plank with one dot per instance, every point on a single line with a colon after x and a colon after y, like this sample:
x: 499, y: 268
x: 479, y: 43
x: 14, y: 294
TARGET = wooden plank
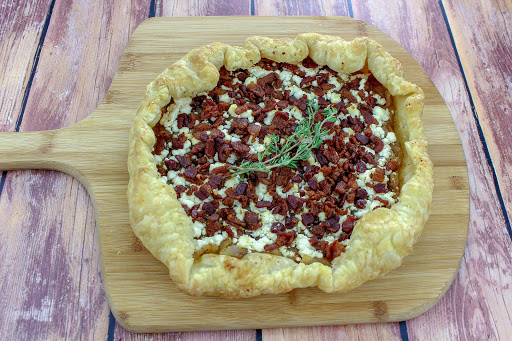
x: 55, y: 288
x: 302, y: 7
x: 369, y: 331
x: 21, y: 25
x: 166, y: 8
x: 171, y: 8
x: 366, y: 331
x: 138, y: 285
x: 474, y: 306
x: 482, y: 32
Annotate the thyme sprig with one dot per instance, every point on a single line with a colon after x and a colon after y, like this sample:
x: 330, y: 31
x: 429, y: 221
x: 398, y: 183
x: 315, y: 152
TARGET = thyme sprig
x: 296, y: 147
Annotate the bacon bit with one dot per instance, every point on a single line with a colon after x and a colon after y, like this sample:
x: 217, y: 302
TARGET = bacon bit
x: 321, y: 158
x: 184, y: 161
x: 341, y: 187
x: 209, y: 208
x: 379, y: 188
x: 319, y: 245
x: 283, y: 238
x: 180, y: 189
x: 360, y: 203
x: 313, y: 184
x: 361, y: 167
x: 352, y: 184
x: 229, y: 202
x: 348, y: 224
x: 240, y: 189
x: 363, y: 139
x: 202, y: 193
x: 361, y: 193
x: 270, y: 104
x: 319, y: 92
x: 254, y: 129
x: 276, y: 227
x: 241, y: 123
x: 282, y: 104
x: 378, y: 175
x: 334, y: 250
x: 240, y: 147
x: 307, y: 81
x: 251, y: 220
x: 295, y: 203
x: 215, y: 180
x: 281, y: 207
x: 213, y: 227
x: 162, y: 136
x: 344, y: 236
x: 378, y: 145
x: 331, y: 155
x: 172, y: 165
x: 345, y: 93
x: 261, y: 204
x: 327, y: 86
x: 242, y: 76
x: 179, y: 142
x: 332, y: 225
x: 291, y: 221
x: 371, y: 101
x: 294, y: 69
x: 223, y: 106
x: 190, y: 173
x: 233, y: 220
x: 224, y: 152
x: 278, y: 94
x: 368, y: 157
x: 302, y: 104
x: 383, y: 201
x: 284, y: 175
x: 271, y: 77
x: 256, y: 89
x: 308, y: 219
x: 309, y: 63
x: 229, y: 231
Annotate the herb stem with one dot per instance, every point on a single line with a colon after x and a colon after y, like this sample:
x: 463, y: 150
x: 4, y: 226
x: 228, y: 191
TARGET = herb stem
x: 307, y: 134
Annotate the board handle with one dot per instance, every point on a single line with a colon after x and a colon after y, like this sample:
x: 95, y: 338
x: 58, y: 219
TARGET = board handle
x: 34, y: 150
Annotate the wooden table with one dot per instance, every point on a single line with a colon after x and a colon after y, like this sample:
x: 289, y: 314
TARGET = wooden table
x: 57, y: 60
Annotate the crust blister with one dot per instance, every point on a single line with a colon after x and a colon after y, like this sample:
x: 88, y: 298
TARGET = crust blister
x: 380, y: 240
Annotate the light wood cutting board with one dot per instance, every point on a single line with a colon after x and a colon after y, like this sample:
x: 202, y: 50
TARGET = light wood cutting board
x: 140, y: 293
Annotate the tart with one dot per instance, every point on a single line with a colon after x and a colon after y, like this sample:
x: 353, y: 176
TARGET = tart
x: 278, y: 165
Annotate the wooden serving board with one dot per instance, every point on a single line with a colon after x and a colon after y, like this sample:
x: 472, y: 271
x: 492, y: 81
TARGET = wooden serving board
x: 140, y: 293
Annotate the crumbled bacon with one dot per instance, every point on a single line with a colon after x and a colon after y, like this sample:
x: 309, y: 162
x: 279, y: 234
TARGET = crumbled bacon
x: 321, y: 201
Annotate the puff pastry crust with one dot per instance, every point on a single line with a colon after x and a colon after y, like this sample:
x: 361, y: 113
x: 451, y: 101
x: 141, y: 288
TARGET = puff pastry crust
x: 380, y: 239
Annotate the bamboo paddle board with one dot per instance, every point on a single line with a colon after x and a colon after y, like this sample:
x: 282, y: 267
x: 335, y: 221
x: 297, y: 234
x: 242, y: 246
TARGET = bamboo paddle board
x: 141, y: 295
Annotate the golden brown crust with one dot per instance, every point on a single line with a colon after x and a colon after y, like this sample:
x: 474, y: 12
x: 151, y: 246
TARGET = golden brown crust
x: 380, y: 240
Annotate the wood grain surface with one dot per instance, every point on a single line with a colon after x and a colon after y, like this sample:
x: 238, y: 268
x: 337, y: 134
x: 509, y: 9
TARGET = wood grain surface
x: 133, y: 278
x: 450, y: 40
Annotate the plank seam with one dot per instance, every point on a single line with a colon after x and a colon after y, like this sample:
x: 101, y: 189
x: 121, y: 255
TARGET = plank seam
x: 350, y: 9
x: 2, y: 181
x: 258, y: 335
x: 111, y: 327
x: 478, y: 126
x: 403, y: 331
x: 34, y: 66
x: 152, y: 9
x: 253, y: 11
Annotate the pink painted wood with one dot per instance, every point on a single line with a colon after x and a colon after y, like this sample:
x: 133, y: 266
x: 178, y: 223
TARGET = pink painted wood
x: 49, y: 257
x: 51, y: 284
x: 474, y: 305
